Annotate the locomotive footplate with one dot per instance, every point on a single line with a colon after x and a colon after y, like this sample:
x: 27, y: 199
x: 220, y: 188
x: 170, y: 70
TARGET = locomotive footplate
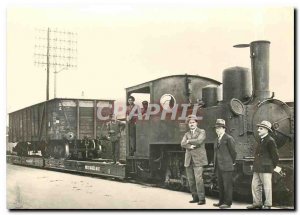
x: 103, y: 168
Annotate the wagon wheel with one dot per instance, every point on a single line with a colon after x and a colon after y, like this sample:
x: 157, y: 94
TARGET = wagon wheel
x: 59, y: 151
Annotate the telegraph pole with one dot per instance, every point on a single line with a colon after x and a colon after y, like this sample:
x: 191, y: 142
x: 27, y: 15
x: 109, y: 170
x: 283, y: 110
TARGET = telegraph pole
x: 55, y: 74
x: 48, y: 64
x: 56, y: 49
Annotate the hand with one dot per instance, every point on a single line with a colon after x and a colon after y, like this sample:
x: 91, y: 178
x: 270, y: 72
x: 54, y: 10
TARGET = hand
x: 193, y: 146
x: 277, y: 169
x: 187, y: 141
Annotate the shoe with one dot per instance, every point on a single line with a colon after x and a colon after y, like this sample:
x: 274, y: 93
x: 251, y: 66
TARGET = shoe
x: 217, y: 204
x: 224, y: 206
x: 202, y: 202
x: 266, y: 207
x: 251, y: 207
x: 194, y: 201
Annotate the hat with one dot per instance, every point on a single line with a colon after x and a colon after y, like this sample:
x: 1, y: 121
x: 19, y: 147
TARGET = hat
x: 265, y: 124
x: 220, y: 123
x: 190, y: 117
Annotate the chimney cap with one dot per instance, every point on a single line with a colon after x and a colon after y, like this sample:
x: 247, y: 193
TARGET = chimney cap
x: 261, y: 41
x: 247, y: 45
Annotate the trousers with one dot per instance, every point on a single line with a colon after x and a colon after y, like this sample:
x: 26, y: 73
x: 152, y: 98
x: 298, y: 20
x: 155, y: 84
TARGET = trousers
x: 225, y: 185
x: 262, y: 181
x: 195, y: 179
x: 132, y: 138
x: 115, y: 148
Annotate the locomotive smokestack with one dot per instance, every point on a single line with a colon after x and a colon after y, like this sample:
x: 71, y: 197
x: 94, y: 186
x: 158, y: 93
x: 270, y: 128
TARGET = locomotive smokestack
x: 259, y: 53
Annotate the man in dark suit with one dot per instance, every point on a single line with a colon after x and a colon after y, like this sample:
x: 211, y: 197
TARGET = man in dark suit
x: 265, y: 160
x: 224, y: 158
x: 195, y: 159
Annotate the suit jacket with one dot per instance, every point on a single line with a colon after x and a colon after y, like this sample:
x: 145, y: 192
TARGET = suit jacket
x: 198, y: 154
x: 266, y: 155
x: 225, y: 153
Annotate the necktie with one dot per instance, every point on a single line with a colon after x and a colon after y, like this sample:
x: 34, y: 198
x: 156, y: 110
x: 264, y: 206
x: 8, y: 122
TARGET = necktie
x: 219, y: 141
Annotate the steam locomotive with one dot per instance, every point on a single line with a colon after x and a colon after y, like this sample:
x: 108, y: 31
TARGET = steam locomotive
x: 68, y: 134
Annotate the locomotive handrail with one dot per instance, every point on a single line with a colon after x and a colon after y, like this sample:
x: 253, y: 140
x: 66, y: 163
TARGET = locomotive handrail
x: 276, y: 100
x: 289, y: 136
x: 281, y: 119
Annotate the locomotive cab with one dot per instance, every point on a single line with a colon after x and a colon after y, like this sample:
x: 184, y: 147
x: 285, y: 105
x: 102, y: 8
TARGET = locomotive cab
x: 153, y: 143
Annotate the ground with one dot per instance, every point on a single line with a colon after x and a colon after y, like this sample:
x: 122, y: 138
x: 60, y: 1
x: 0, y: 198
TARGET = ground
x: 31, y: 188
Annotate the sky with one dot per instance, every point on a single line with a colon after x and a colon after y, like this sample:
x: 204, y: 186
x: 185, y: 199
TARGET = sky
x: 121, y: 45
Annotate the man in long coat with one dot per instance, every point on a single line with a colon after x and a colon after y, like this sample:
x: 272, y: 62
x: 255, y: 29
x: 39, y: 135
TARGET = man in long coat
x: 195, y: 159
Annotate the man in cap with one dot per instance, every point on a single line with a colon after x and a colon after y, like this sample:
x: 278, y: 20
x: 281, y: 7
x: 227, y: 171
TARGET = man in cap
x: 224, y: 158
x: 195, y: 159
x: 265, y: 160
x: 115, y: 127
